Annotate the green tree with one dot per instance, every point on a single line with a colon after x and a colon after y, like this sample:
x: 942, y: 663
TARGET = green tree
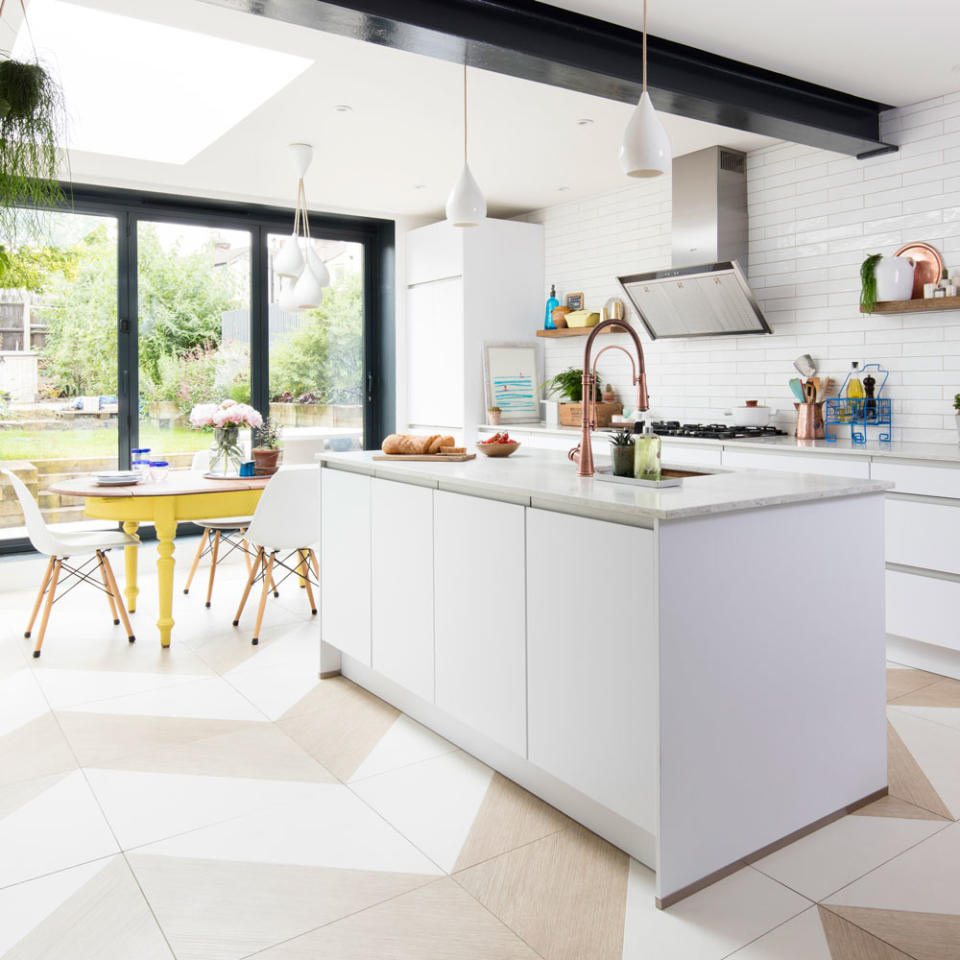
x: 34, y: 267
x: 325, y: 355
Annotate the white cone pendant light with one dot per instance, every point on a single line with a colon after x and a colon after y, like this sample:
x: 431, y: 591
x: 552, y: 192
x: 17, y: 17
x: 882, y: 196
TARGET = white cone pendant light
x: 289, y: 261
x: 288, y: 299
x: 307, y: 291
x: 645, y: 151
x: 317, y: 267
x: 466, y: 206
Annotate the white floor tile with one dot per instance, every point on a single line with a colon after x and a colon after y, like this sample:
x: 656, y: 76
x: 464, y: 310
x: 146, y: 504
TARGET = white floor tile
x: 68, y: 689
x: 21, y: 700
x: 830, y: 858
x: 60, y: 827
x: 273, y: 690
x: 433, y: 803
x: 801, y: 938
x: 406, y: 742
x: 707, y: 925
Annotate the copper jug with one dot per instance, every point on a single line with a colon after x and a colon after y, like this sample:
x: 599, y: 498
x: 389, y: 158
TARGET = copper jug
x: 809, y: 421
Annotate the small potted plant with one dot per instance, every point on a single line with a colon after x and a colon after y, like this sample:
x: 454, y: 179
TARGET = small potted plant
x: 621, y: 453
x: 266, y: 454
x: 569, y: 384
x: 609, y: 394
x: 956, y: 406
x: 493, y: 416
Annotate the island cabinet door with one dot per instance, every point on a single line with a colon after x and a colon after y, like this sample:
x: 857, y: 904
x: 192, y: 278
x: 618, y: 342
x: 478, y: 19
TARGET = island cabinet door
x: 402, y: 605
x: 592, y: 660
x: 345, y: 562
x: 479, y: 615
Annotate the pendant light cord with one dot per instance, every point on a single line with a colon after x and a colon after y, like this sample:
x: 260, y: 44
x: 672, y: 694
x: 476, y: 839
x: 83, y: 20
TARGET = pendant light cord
x: 644, y: 46
x: 465, y: 113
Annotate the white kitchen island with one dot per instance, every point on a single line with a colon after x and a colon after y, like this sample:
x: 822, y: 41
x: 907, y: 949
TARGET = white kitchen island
x: 695, y: 673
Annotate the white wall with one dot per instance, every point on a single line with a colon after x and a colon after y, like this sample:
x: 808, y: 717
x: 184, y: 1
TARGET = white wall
x: 814, y: 216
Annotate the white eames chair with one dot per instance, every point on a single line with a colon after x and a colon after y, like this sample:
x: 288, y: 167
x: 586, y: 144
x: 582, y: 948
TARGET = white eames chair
x: 60, y: 547
x: 286, y: 521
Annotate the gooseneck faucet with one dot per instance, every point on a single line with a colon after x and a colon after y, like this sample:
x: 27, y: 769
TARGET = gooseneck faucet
x: 582, y: 454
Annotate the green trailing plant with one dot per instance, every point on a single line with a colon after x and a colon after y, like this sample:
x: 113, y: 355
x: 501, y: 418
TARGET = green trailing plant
x: 569, y: 384
x: 622, y: 438
x: 268, y: 436
x: 868, y: 282
x: 956, y: 403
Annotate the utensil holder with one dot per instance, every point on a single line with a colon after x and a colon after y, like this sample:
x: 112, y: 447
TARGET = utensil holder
x: 810, y: 424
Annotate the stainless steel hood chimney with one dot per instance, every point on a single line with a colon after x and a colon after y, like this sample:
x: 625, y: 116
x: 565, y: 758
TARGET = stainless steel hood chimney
x: 705, y: 293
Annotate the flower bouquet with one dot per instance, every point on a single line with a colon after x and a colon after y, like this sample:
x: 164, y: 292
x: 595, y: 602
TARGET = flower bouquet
x: 226, y: 419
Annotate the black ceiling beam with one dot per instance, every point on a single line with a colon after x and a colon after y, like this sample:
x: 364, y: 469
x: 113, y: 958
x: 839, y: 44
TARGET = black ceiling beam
x: 535, y: 41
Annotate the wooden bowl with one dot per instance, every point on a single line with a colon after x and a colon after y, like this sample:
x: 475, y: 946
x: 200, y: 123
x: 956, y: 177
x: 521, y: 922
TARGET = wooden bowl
x: 497, y: 449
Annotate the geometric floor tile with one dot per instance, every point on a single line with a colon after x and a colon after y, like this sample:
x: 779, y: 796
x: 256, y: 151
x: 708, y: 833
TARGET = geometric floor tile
x: 68, y: 689
x: 404, y: 743
x: 833, y: 856
x: 50, y: 824
x: 891, y: 806
x: 92, y: 912
x: 21, y: 700
x: 938, y: 702
x: 237, y: 908
x: 928, y: 936
x: 36, y: 749
x: 923, y: 767
x: 565, y: 894
x: 436, y: 922
x: 709, y: 924
x: 904, y: 680
x: 801, y: 938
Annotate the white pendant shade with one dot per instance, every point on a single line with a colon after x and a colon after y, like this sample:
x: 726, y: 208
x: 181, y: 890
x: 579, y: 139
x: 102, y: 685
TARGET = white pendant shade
x: 645, y: 151
x: 466, y: 206
x: 289, y: 261
x: 288, y: 299
x: 318, y: 267
x: 307, y: 291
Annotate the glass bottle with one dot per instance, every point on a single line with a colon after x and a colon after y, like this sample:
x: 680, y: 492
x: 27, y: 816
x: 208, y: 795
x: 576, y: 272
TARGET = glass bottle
x: 552, y: 305
x: 646, y: 456
x: 855, y: 389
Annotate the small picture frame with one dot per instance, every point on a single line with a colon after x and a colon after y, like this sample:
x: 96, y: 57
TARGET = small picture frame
x: 575, y: 301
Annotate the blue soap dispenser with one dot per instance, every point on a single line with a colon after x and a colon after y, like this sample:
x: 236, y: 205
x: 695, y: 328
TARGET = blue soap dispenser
x: 552, y: 305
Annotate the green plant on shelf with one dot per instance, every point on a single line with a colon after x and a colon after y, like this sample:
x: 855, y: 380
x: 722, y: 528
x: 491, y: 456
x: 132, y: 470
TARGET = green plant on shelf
x: 868, y: 282
x: 569, y: 384
x: 956, y: 403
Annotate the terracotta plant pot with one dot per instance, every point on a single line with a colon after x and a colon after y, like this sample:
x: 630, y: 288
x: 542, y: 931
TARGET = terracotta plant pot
x: 265, y: 461
x: 493, y: 418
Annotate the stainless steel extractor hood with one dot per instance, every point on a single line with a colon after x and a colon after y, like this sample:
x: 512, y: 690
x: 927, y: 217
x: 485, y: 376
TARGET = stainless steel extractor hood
x: 705, y: 293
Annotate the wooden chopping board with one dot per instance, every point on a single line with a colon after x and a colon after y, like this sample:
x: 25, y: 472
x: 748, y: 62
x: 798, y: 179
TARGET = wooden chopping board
x: 448, y: 457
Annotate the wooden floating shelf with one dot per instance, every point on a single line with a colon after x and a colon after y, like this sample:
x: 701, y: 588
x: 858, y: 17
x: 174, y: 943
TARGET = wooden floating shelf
x: 919, y: 305
x: 583, y: 331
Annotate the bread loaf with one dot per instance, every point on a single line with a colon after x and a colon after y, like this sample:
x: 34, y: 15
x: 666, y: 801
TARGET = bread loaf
x: 438, y: 442
x: 403, y: 444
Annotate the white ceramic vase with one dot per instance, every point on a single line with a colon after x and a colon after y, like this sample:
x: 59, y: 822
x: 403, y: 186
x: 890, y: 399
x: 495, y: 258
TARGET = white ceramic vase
x: 894, y: 278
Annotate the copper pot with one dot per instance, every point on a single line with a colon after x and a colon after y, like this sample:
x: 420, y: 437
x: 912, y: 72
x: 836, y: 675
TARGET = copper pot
x: 809, y: 421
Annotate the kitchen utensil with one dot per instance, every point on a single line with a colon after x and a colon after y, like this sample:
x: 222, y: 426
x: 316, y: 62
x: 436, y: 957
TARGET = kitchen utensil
x: 498, y: 449
x: 805, y: 365
x: 750, y: 415
x: 796, y: 387
x: 928, y: 265
x: 809, y: 392
x: 895, y: 278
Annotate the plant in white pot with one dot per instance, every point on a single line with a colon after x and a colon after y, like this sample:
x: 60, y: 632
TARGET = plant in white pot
x: 885, y: 278
x: 956, y: 406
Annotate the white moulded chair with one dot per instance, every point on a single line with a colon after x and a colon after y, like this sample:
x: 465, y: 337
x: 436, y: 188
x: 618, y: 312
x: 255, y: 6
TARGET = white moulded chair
x: 60, y: 547
x: 285, y: 525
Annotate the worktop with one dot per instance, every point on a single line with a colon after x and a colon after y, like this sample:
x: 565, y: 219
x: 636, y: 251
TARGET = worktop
x: 546, y: 478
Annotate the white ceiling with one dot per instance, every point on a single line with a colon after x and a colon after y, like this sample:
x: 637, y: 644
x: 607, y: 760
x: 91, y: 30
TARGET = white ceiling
x: 397, y: 152
x: 892, y: 51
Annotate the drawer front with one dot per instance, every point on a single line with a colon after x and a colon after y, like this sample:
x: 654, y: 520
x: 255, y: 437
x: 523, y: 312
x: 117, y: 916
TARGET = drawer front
x: 923, y: 608
x: 923, y: 534
x: 828, y: 465
x: 939, y: 481
x: 691, y: 453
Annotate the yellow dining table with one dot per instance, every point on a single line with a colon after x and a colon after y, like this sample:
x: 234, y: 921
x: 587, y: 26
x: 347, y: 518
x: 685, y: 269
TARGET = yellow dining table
x: 181, y: 496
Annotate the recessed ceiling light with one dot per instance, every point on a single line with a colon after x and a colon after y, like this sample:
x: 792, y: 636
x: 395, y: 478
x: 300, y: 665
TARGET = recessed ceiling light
x: 584, y: 122
x: 343, y: 108
x: 166, y: 115
x: 419, y: 186
x: 563, y: 189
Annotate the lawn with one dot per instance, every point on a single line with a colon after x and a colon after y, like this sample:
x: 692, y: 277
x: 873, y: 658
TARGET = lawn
x: 95, y: 442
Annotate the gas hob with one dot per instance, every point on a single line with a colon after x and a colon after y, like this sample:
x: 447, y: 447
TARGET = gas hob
x: 713, y: 431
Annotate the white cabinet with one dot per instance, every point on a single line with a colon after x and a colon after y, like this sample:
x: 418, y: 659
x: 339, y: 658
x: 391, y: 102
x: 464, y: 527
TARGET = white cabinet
x: 402, y: 605
x: 930, y: 481
x: 479, y: 615
x: 592, y: 665
x: 923, y: 608
x: 923, y: 534
x: 345, y: 562
x: 828, y: 464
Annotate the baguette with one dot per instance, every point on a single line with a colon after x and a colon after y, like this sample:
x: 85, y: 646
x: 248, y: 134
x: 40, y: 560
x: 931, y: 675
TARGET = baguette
x: 403, y: 444
x: 436, y: 443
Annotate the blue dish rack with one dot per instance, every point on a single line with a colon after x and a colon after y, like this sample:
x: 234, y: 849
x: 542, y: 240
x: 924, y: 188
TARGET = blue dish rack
x: 860, y: 414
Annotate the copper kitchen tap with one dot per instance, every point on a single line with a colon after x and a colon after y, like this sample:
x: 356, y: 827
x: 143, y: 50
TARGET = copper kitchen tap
x: 582, y: 454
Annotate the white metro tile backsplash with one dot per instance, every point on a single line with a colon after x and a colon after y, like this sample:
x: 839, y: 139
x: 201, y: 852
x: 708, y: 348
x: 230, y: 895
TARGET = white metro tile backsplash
x: 813, y: 217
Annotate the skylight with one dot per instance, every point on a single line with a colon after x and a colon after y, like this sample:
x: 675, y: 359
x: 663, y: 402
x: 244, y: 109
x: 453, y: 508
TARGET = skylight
x: 145, y: 90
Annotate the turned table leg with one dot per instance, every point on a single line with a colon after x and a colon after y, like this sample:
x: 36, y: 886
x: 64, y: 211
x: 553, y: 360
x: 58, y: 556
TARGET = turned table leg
x: 165, y: 522
x: 130, y: 567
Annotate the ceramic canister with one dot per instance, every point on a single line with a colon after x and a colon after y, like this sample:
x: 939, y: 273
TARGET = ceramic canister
x: 894, y: 278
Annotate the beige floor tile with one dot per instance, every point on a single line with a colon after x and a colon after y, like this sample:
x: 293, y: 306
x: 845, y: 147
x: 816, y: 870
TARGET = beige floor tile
x: 801, y: 938
x: 904, y: 680
x: 891, y: 806
x: 938, y: 702
x: 565, y: 895
x: 437, y: 922
x: 922, y: 763
x: 343, y: 726
x: 36, y: 749
x: 926, y: 936
x: 238, y: 908
x: 850, y: 942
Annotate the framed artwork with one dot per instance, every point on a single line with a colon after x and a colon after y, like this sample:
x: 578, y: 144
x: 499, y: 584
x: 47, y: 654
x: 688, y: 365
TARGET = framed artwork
x: 511, y: 376
x: 575, y: 301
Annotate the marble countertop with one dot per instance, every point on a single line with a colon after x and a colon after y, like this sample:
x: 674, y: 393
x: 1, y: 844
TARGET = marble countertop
x: 946, y: 453
x: 546, y: 478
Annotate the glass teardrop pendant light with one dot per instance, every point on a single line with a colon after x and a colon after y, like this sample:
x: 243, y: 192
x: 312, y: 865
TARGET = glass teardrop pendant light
x: 645, y: 151
x: 466, y: 206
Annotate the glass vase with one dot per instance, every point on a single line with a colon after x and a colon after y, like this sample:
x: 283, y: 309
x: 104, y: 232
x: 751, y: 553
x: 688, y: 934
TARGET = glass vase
x: 225, y: 453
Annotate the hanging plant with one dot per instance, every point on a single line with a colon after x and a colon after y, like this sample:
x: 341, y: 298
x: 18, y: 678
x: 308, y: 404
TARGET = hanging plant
x: 868, y: 282
x: 32, y: 127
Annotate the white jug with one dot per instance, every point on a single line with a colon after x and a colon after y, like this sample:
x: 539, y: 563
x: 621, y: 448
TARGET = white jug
x: 894, y: 278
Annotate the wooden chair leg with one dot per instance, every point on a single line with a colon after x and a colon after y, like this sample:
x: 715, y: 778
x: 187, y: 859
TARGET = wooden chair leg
x: 213, y: 565
x: 273, y: 586
x: 108, y: 586
x: 117, y: 596
x: 246, y: 590
x: 43, y: 588
x: 302, y: 568
x: 267, y: 580
x: 306, y: 570
x: 246, y: 550
x: 196, y: 559
x: 51, y: 596
x: 316, y: 564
